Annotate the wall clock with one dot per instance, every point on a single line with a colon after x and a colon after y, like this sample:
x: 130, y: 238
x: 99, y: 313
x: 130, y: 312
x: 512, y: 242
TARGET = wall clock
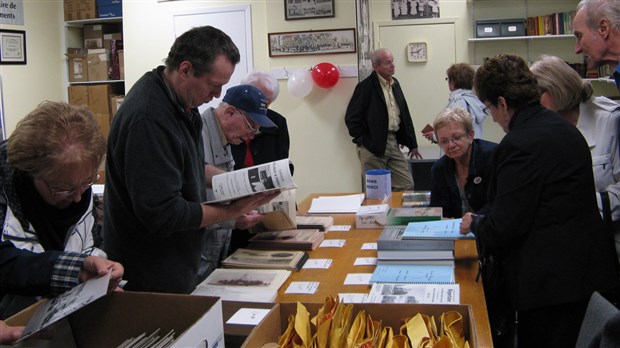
x: 417, y: 52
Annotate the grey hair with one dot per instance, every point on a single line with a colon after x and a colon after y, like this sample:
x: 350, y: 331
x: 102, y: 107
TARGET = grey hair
x: 561, y: 82
x: 376, y: 55
x: 597, y: 9
x: 450, y: 115
x: 258, y: 78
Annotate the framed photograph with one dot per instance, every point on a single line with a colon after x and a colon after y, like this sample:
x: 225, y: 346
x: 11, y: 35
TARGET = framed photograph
x: 305, y: 9
x: 12, y: 46
x: 296, y: 43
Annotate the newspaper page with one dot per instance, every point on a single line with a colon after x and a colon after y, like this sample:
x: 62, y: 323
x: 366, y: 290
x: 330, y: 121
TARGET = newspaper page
x: 248, y: 181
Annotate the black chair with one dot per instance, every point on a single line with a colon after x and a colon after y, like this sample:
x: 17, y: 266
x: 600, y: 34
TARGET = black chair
x: 421, y: 173
x: 601, y: 324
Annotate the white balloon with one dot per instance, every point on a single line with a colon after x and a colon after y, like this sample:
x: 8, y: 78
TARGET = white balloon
x: 300, y: 83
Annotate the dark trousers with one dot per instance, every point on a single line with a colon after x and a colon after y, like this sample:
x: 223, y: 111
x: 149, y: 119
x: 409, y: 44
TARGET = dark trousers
x: 551, y: 326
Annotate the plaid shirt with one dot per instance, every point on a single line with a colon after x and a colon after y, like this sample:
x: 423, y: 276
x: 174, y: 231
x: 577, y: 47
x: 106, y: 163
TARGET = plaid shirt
x: 66, y: 271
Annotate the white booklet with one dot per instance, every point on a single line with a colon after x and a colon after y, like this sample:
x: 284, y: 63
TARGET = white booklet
x: 62, y: 305
x: 248, y: 181
x: 336, y: 204
x: 414, y: 293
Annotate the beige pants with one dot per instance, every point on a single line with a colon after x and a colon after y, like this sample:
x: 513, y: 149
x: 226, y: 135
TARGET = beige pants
x: 393, y: 160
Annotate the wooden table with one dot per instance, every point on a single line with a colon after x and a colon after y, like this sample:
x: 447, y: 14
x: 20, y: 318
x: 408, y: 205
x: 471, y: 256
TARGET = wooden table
x: 332, y: 279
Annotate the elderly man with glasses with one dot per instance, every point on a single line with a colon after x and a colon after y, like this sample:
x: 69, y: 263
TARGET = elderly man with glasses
x: 240, y: 116
x: 49, y: 164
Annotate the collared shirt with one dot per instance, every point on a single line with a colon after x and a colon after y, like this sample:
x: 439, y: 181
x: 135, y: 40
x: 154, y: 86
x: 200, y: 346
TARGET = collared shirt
x: 616, y: 75
x: 66, y: 271
x: 392, y: 108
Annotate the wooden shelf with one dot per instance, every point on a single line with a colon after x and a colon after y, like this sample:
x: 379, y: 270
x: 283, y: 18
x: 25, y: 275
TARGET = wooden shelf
x: 82, y: 22
x: 95, y: 82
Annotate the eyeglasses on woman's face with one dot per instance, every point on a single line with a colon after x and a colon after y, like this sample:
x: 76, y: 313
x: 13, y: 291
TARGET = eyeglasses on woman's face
x: 456, y: 139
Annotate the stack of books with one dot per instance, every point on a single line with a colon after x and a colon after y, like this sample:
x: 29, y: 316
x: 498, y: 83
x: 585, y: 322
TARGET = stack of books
x: 416, y: 199
x: 393, y: 248
x: 287, y: 240
x: 321, y: 223
x: 403, y: 216
x: 252, y: 285
x: 266, y: 259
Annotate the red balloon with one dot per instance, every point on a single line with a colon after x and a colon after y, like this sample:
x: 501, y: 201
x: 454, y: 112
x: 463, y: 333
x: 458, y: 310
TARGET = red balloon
x: 325, y: 75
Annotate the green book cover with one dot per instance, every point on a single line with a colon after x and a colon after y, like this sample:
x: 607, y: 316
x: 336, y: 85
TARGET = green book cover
x: 403, y: 216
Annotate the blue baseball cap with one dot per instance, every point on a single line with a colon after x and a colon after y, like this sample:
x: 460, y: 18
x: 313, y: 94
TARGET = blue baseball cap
x: 251, y: 100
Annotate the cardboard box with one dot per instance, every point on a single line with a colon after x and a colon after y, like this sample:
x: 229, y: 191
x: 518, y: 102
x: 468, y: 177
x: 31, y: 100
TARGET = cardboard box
x: 98, y: 64
x: 99, y: 98
x: 487, y: 28
x: 93, y: 35
x: 109, y: 37
x: 71, y: 9
x: 88, y: 9
x: 77, y: 64
x: 274, y: 324
x: 112, y: 319
x: 78, y: 95
x: 104, y: 123
x: 371, y: 216
x: 115, y: 103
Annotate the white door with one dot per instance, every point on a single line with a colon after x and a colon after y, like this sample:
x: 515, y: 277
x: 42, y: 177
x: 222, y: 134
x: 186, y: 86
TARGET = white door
x: 423, y: 83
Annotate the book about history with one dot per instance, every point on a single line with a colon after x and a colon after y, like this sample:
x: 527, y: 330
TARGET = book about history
x: 254, y: 285
x: 322, y: 223
x: 279, y: 214
x: 287, y: 240
x: 412, y: 255
x: 248, y: 181
x: 403, y: 216
x: 266, y: 259
x: 414, y: 293
x: 413, y: 274
x: 442, y: 229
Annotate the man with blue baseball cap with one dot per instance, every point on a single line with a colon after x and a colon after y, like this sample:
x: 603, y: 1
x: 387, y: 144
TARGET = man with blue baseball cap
x: 240, y: 117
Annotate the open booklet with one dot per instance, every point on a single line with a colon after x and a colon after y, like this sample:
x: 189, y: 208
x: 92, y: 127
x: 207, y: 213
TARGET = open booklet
x: 248, y: 181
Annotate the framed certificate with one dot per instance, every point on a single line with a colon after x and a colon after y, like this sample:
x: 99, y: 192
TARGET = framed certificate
x: 12, y: 46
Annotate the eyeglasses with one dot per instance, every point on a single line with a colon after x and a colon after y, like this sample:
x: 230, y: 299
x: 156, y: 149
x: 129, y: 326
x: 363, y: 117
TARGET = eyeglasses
x: 251, y: 129
x: 486, y: 109
x: 454, y: 139
x: 73, y: 191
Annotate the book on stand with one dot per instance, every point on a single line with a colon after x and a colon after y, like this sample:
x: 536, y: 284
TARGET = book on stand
x: 253, y: 285
x: 266, y: 259
x: 287, y: 240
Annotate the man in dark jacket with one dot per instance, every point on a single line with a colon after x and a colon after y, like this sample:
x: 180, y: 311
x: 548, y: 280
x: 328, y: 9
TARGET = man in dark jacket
x: 378, y: 119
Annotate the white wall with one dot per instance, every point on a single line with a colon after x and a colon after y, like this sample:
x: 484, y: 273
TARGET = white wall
x: 25, y: 86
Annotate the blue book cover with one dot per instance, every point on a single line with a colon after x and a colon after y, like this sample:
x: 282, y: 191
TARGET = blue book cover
x: 448, y: 229
x: 413, y: 274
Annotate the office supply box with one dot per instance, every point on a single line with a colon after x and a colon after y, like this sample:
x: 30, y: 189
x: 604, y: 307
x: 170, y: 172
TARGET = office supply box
x: 512, y: 27
x: 274, y: 324
x: 487, y: 28
x: 112, y: 319
x: 109, y: 8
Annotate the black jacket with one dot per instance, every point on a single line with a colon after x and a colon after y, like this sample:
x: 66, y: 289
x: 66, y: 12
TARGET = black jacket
x: 367, y: 116
x: 444, y: 190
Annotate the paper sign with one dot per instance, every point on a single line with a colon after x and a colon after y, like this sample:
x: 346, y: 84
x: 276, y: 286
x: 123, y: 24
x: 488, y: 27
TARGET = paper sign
x: 340, y: 228
x: 333, y: 243
x: 365, y: 261
x: 317, y: 263
x: 351, y: 297
x: 248, y: 316
x: 357, y: 279
x: 369, y: 246
x: 302, y: 288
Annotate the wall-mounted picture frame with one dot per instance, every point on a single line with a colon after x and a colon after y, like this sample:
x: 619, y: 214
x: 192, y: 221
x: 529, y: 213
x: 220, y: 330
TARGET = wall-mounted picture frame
x: 12, y: 46
x: 297, y: 43
x: 306, y: 9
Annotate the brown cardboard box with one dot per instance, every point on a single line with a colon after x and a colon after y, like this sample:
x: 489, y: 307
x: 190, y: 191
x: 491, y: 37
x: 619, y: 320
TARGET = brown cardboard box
x: 274, y: 324
x: 110, y: 320
x: 78, y: 95
x: 109, y: 37
x: 93, y: 35
x: 88, y: 9
x: 77, y: 65
x: 72, y: 10
x: 98, y: 64
x: 99, y: 98
x: 104, y: 123
x: 115, y: 103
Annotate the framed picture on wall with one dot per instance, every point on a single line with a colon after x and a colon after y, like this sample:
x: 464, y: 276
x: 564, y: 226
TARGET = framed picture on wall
x: 305, y: 9
x: 296, y: 43
x: 12, y: 46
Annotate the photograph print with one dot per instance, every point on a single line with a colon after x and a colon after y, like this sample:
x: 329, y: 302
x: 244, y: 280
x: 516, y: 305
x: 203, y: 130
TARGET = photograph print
x: 311, y: 42
x: 305, y: 9
x: 412, y: 9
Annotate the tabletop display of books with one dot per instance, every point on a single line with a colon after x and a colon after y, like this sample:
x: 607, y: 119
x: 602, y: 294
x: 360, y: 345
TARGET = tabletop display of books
x: 252, y: 285
x: 322, y: 223
x: 266, y: 259
x: 287, y: 240
x: 403, y: 216
x: 392, y: 248
x: 442, y: 229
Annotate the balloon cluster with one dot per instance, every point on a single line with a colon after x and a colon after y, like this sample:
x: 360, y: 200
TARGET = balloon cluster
x: 324, y: 75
